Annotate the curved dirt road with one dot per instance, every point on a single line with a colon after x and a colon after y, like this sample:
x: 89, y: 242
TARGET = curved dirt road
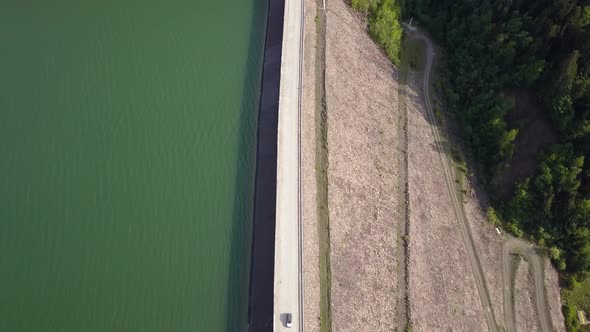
x: 535, y: 258
x: 450, y: 176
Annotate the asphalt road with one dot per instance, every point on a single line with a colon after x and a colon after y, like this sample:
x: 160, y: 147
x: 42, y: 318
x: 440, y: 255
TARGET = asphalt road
x: 450, y: 176
x: 536, y: 260
x: 288, y: 281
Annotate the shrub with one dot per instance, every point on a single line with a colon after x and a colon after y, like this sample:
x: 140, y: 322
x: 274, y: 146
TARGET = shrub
x: 514, y: 229
x: 387, y: 30
x: 493, y: 217
x: 571, y: 318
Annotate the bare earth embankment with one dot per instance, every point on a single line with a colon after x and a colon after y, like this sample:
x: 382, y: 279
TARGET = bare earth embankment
x: 443, y: 295
x: 554, y: 297
x: 488, y: 244
x: 366, y: 254
x: 489, y: 247
x: 526, y: 317
x: 308, y: 149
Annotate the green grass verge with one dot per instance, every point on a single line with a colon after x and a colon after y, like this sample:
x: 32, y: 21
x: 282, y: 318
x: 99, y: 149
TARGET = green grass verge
x: 321, y: 118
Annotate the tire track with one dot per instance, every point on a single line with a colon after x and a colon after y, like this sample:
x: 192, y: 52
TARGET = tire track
x: 535, y: 258
x: 450, y: 174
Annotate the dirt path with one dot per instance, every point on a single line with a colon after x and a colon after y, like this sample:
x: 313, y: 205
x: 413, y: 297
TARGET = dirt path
x: 535, y: 257
x: 450, y: 176
x: 523, y: 297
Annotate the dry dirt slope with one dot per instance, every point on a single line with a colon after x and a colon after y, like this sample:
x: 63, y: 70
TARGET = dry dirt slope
x: 443, y: 296
x: 364, y: 196
x: 309, y: 214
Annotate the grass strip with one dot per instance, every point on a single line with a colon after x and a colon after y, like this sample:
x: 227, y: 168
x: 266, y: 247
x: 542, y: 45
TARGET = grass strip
x: 321, y: 115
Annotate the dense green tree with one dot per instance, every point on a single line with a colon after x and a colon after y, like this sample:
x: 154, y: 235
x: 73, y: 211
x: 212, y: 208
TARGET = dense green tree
x: 384, y: 24
x: 386, y: 28
x: 365, y: 6
x: 550, y: 208
x: 558, y: 95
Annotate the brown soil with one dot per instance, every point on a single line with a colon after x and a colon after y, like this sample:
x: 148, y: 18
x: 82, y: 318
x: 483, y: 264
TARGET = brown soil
x: 526, y: 317
x: 443, y: 295
x: 535, y: 133
x: 554, y: 297
x: 363, y: 186
x: 310, y: 231
x: 488, y: 244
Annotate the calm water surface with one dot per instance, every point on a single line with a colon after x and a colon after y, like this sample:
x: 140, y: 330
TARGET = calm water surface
x: 127, y: 140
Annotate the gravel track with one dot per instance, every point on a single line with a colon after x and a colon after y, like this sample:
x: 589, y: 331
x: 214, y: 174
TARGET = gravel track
x: 535, y: 258
x: 450, y: 175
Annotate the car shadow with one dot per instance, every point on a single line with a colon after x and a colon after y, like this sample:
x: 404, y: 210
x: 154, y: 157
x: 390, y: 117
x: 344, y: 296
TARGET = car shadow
x: 283, y: 319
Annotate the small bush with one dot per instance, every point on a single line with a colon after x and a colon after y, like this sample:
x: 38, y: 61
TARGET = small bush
x: 571, y: 318
x: 514, y: 229
x: 493, y: 217
x: 556, y: 256
x: 573, y: 283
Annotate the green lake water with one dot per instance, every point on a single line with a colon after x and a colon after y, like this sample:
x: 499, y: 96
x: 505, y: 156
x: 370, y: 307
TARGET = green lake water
x: 127, y: 151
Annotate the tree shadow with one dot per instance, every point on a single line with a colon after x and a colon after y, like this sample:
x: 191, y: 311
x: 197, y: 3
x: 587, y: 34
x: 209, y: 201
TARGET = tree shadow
x: 441, y: 146
x: 414, y: 96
